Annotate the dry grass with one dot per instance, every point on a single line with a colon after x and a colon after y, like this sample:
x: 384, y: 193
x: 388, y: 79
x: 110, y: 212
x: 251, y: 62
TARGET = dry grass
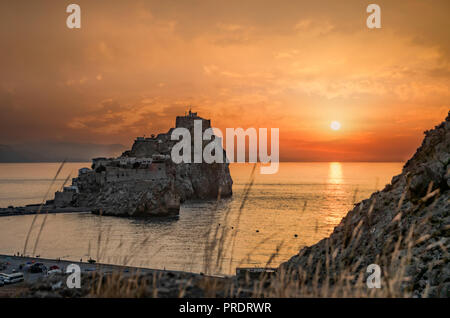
x: 328, y: 279
x: 38, y: 212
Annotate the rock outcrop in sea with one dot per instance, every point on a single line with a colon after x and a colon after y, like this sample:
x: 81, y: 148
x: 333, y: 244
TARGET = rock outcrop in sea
x: 404, y: 229
x: 144, y: 181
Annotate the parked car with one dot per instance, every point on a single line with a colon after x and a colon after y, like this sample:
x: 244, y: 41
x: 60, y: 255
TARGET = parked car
x: 38, y: 268
x: 1, y: 282
x: 54, y: 271
x: 12, y: 278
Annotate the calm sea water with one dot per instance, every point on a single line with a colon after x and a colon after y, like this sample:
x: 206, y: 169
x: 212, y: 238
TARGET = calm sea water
x: 296, y: 207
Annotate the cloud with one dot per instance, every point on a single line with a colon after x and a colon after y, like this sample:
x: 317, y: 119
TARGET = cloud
x: 314, y: 28
x: 295, y: 65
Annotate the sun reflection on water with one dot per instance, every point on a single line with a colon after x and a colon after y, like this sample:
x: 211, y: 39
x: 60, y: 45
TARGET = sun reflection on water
x: 335, y: 173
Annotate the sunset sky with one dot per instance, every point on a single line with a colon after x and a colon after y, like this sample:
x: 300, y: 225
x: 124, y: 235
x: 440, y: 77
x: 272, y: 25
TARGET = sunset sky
x: 293, y: 65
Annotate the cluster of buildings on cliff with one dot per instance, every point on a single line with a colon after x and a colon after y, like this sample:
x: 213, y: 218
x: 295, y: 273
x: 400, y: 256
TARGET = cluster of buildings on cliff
x: 121, y: 169
x: 146, y: 161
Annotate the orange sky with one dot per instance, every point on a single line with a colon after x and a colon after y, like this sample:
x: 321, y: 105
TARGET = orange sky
x: 294, y: 65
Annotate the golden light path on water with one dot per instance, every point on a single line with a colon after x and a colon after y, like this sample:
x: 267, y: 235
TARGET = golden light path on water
x: 296, y: 207
x: 335, y: 173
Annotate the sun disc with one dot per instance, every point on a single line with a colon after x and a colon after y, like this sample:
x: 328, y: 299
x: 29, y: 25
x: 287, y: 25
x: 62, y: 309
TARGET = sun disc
x: 335, y: 125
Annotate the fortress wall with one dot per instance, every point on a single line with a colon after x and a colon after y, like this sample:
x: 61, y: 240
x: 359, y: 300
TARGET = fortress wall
x: 154, y: 171
x: 99, y: 162
x: 100, y: 178
x: 188, y: 122
x: 63, y: 199
x: 89, y: 177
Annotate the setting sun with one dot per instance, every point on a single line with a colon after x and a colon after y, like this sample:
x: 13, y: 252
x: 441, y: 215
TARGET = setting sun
x: 335, y: 125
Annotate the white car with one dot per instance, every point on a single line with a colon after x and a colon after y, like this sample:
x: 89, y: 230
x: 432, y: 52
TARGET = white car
x: 11, y: 278
x: 54, y: 271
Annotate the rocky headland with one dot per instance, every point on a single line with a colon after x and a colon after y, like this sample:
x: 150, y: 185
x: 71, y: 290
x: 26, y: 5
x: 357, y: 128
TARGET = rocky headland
x: 143, y: 181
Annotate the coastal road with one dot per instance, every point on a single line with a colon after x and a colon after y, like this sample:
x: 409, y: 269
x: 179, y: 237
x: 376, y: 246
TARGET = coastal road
x: 13, y: 263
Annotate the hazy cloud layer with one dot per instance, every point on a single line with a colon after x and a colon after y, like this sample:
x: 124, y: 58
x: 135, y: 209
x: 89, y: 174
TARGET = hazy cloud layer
x: 296, y: 65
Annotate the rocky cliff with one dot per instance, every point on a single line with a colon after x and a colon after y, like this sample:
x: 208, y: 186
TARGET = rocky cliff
x: 203, y: 180
x: 144, y: 181
x: 404, y: 229
x: 192, y: 180
x: 137, y: 199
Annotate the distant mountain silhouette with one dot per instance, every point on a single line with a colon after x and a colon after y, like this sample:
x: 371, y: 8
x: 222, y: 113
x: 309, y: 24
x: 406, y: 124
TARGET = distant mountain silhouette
x: 57, y: 152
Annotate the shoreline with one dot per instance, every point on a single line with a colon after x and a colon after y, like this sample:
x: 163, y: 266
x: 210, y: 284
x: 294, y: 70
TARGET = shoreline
x: 105, y: 267
x: 31, y: 210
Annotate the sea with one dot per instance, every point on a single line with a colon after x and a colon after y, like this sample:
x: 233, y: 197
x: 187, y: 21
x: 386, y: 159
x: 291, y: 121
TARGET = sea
x: 268, y: 219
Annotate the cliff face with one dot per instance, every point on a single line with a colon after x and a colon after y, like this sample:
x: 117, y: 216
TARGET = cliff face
x: 144, y: 181
x: 203, y: 181
x: 404, y: 229
x: 139, y: 199
x: 192, y: 180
